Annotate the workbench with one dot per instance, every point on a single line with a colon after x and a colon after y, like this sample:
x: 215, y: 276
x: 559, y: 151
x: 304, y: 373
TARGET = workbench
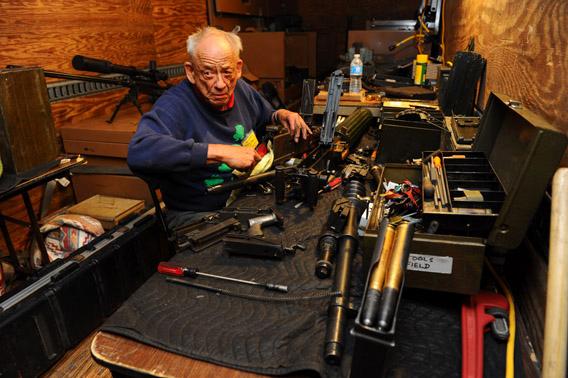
x: 429, y: 341
x: 109, y: 350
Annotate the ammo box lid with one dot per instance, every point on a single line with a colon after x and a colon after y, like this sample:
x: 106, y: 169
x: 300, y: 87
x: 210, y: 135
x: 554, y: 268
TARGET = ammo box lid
x: 524, y: 151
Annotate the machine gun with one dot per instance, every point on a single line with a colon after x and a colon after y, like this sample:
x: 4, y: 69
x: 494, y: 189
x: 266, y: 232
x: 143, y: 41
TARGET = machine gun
x: 137, y: 81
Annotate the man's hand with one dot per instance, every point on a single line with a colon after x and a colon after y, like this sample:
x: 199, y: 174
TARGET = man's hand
x: 237, y: 157
x: 294, y: 123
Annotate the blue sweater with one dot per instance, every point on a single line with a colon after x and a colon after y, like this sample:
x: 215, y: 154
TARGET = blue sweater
x: 171, y: 142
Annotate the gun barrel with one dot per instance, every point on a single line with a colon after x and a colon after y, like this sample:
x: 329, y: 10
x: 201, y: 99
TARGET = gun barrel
x: 227, y: 186
x: 335, y: 332
x: 83, y: 63
x: 93, y: 79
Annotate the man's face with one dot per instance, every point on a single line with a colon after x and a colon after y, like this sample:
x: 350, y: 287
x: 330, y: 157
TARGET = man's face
x: 214, y: 71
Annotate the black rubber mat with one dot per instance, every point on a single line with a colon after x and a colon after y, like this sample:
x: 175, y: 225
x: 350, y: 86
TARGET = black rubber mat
x: 428, y: 336
x: 260, y: 336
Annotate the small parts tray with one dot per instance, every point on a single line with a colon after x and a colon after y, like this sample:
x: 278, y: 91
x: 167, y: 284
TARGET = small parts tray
x: 473, y: 193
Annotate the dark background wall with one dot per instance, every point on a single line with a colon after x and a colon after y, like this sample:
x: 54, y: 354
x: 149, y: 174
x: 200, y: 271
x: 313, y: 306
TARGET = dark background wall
x: 333, y: 18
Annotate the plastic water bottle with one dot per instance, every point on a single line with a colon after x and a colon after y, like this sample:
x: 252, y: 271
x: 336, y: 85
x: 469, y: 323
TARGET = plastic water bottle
x: 355, y: 74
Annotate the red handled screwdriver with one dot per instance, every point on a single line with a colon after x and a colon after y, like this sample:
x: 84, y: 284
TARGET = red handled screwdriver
x: 180, y: 271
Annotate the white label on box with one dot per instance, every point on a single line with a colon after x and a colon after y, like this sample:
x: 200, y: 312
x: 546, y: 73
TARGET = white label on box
x: 430, y: 264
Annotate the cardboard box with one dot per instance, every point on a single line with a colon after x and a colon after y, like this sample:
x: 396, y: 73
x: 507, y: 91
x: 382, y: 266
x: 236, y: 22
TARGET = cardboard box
x: 110, y: 211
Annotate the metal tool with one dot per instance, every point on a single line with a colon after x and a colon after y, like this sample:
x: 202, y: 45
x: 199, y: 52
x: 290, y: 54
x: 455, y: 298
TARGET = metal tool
x: 476, y: 315
x: 427, y: 185
x: 307, y: 100
x: 330, y: 113
x: 443, y: 188
x: 180, y: 271
x: 303, y: 184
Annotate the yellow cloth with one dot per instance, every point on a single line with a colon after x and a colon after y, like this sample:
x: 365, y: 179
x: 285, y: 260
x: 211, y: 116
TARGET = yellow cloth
x: 262, y: 166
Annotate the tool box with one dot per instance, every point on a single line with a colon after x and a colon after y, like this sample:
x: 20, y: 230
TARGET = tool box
x: 493, y: 191
x: 441, y: 262
x: 69, y: 298
x: 493, y: 194
x: 468, y: 194
x: 406, y: 132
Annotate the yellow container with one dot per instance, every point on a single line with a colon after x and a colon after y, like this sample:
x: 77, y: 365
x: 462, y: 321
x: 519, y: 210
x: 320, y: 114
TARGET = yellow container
x: 420, y: 69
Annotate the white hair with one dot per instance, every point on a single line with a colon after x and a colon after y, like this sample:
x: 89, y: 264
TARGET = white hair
x: 232, y: 39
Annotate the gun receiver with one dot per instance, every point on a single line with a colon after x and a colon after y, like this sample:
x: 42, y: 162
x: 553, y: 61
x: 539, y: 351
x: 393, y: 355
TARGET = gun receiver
x: 208, y: 230
x: 301, y: 183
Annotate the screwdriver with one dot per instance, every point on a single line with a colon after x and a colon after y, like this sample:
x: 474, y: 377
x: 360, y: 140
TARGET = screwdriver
x: 437, y: 163
x: 427, y: 185
x: 180, y: 271
x: 334, y: 183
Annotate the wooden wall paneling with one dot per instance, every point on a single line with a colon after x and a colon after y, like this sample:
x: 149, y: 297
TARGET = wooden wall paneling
x: 312, y: 59
x: 526, y: 47
x: 173, y: 23
x: 49, y: 34
x: 300, y: 50
x: 79, y: 108
x: 329, y: 19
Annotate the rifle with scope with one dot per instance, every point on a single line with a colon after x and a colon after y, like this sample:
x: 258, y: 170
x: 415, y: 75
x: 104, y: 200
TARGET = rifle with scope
x: 137, y: 81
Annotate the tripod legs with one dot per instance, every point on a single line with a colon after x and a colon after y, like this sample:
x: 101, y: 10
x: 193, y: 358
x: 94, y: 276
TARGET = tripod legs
x: 131, y: 96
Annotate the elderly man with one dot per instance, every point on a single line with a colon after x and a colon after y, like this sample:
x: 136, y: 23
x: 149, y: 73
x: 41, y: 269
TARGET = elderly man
x: 193, y: 136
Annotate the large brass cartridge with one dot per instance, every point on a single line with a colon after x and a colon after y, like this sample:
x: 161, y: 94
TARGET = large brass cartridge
x: 377, y: 277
